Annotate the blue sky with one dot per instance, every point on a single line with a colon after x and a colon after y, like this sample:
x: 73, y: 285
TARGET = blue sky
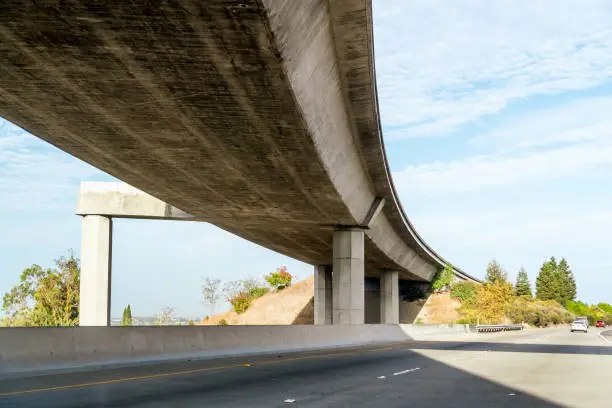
x: 498, y: 129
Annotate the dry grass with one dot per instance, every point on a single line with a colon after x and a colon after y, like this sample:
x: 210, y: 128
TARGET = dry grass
x: 440, y: 308
x: 293, y: 305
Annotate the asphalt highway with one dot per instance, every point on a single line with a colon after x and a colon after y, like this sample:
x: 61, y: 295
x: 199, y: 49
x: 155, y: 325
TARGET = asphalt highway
x: 534, y: 368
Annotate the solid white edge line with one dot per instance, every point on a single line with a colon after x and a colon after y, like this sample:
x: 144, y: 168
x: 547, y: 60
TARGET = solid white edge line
x: 407, y: 371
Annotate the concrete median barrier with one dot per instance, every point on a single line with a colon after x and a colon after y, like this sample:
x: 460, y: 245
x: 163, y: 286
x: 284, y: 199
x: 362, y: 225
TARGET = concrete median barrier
x: 25, y: 351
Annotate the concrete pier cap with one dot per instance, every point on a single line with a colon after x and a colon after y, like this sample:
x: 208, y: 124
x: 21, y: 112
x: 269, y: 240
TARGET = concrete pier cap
x: 120, y: 200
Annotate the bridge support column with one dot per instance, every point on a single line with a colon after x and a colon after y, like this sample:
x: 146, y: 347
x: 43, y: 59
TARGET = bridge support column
x: 95, y: 290
x: 323, y: 294
x: 348, y: 277
x: 389, y: 297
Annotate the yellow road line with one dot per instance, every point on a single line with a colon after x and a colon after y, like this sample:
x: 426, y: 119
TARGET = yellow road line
x: 184, y: 372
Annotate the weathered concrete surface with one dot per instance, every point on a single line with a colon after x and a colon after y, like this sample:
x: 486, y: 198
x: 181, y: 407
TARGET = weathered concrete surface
x: 348, y: 286
x: 257, y: 116
x: 32, y: 350
x: 96, y: 262
x: 323, y: 294
x: 120, y: 200
x: 389, y: 297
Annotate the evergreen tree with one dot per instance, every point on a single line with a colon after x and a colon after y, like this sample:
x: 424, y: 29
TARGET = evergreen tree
x: 522, y: 287
x: 126, y: 320
x: 547, y: 280
x: 568, y: 281
x: 556, y: 281
x: 495, y: 272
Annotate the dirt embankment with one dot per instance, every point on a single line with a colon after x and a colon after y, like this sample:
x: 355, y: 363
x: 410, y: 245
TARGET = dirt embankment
x: 440, y: 308
x: 293, y: 305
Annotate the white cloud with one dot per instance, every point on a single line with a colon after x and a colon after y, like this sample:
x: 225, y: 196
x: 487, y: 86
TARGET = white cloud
x: 443, y: 64
x: 500, y: 171
x: 581, y: 120
x: 540, y: 145
x: 27, y: 166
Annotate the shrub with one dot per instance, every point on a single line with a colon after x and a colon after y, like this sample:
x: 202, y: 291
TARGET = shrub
x: 592, y: 313
x: 537, y: 313
x: 463, y: 291
x: 191, y: 323
x: 489, y: 304
x: 466, y: 320
x: 443, y: 279
x: 222, y: 322
x: 257, y: 292
x: 241, y: 302
x: 280, y: 279
x: 605, y: 307
x: 419, y: 321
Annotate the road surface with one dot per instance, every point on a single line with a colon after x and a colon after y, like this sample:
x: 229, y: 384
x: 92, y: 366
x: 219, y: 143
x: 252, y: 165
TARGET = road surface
x: 535, y: 368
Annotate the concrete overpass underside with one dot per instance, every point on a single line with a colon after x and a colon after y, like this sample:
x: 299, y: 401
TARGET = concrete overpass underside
x: 260, y: 117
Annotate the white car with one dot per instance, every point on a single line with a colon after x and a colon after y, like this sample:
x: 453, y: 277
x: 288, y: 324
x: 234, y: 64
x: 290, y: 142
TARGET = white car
x: 579, y: 325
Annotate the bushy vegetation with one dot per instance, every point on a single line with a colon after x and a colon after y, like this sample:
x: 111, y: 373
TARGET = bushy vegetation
x: 45, y: 297
x: 280, y: 279
x: 257, y: 292
x: 242, y: 295
x: 489, y: 303
x: 539, y: 313
x: 602, y: 311
x: 443, y: 279
x: 605, y: 307
x: 241, y: 302
x: 464, y: 291
x: 222, y: 322
x: 498, y: 301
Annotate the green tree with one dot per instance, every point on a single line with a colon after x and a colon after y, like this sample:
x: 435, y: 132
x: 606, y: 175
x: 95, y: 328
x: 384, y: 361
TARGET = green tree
x: 568, y: 283
x: 547, y: 282
x: 607, y: 308
x: 495, y: 272
x: 444, y: 278
x: 126, y: 320
x: 556, y: 282
x: 522, y: 287
x: 45, y: 297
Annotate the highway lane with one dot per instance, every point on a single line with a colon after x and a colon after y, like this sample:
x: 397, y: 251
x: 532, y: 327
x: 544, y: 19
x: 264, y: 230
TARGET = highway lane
x: 536, y: 368
x: 607, y: 335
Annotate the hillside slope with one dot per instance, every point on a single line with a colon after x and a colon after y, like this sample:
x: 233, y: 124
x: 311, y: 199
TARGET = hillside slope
x: 440, y: 308
x: 293, y: 305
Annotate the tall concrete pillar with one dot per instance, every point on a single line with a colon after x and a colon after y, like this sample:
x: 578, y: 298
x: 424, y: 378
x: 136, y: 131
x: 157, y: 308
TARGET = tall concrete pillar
x: 96, y: 258
x: 389, y: 297
x: 348, y: 277
x: 323, y: 294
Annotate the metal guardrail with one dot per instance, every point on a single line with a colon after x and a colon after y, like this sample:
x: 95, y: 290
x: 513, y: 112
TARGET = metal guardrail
x: 490, y: 328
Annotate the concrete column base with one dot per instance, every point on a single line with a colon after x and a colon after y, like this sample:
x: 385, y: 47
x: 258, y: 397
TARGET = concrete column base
x: 96, y: 258
x: 323, y: 294
x: 389, y: 297
x: 348, y: 277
